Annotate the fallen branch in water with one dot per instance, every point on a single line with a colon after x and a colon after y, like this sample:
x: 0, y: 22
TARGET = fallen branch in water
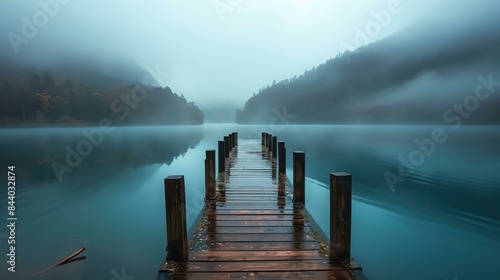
x: 67, y: 260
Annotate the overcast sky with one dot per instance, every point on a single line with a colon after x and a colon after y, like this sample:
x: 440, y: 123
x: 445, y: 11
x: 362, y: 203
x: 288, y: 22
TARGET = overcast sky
x: 212, y: 50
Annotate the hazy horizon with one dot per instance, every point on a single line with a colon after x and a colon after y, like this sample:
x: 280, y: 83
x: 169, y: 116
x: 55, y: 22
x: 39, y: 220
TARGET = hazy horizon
x: 212, y: 51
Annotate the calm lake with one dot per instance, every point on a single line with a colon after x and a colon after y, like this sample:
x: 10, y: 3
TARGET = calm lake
x: 436, y: 217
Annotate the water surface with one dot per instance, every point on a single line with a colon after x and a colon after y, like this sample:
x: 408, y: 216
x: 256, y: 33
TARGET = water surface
x: 441, y: 222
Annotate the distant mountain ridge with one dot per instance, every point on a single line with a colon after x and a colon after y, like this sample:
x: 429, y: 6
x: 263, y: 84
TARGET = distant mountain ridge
x: 413, y: 76
x: 79, y: 92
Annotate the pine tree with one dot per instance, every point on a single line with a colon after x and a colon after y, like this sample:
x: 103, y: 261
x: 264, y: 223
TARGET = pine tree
x: 48, y: 83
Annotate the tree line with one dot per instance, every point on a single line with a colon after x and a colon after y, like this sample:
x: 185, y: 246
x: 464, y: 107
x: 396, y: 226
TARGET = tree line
x: 348, y: 87
x: 38, y: 100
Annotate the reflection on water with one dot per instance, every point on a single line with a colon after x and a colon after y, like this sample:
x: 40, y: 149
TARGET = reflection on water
x: 42, y: 153
x: 458, y: 183
x: 442, y: 222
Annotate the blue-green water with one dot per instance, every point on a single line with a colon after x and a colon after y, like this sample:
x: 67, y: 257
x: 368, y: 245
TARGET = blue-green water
x: 439, y: 220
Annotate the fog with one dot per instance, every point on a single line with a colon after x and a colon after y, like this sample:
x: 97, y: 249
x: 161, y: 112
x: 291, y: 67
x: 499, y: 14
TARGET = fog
x: 223, y: 51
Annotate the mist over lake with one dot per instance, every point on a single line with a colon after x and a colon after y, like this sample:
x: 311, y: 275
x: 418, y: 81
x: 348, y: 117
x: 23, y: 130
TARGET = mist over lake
x: 113, y: 203
x: 101, y: 101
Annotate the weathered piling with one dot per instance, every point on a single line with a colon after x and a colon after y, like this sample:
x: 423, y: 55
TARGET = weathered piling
x: 275, y: 146
x: 281, y: 157
x: 210, y: 175
x: 175, y: 205
x: 299, y: 177
x: 235, y: 135
x: 340, y: 216
x: 263, y: 138
x: 222, y: 159
x: 269, y: 142
x: 226, y: 146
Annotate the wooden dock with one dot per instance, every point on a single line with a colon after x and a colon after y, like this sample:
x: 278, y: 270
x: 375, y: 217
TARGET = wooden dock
x: 254, y: 224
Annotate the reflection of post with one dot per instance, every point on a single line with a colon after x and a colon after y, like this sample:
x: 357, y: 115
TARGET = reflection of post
x: 175, y: 205
x: 221, y: 152
x: 210, y: 174
x: 222, y: 190
x: 340, y: 216
x: 281, y: 191
x: 211, y: 229
x: 281, y: 157
x: 298, y: 228
x: 299, y: 177
x: 275, y: 146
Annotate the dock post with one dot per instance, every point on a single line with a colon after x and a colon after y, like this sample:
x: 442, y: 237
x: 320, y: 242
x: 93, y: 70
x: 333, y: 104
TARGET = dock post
x: 281, y: 157
x: 210, y: 174
x: 235, y: 138
x: 222, y: 160
x: 230, y: 143
x: 275, y: 146
x: 340, y: 216
x: 175, y: 205
x: 299, y: 177
x: 226, y: 146
x: 263, y: 138
x: 270, y: 143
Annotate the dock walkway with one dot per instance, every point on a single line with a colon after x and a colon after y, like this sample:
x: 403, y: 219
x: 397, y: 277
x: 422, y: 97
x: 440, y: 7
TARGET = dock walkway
x: 253, y: 229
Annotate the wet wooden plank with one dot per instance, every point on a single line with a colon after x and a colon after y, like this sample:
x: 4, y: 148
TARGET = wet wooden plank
x: 256, y: 223
x: 264, y: 245
x: 262, y: 255
x: 240, y: 230
x: 254, y: 212
x: 254, y: 206
x: 249, y: 198
x: 250, y: 191
x: 237, y: 189
x: 257, y: 237
x: 282, y: 275
x: 251, y: 266
x: 222, y: 217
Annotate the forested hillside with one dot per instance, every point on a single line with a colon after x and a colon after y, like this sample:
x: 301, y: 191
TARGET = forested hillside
x: 38, y: 99
x: 414, y: 76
